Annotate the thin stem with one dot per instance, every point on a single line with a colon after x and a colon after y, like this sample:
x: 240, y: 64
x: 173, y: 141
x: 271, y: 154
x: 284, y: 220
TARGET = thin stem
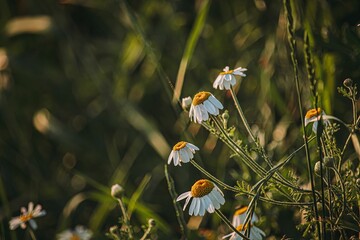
x: 330, y: 204
x: 292, y: 44
x: 32, y: 234
x: 247, y: 126
x: 209, y: 175
x: 275, y: 202
x: 178, y: 210
x: 126, y: 219
x: 343, y: 191
x: 227, y: 222
x: 319, y: 132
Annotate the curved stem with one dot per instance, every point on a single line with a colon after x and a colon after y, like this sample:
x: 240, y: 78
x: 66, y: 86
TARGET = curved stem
x: 227, y: 222
x: 247, y: 126
x: 212, y: 177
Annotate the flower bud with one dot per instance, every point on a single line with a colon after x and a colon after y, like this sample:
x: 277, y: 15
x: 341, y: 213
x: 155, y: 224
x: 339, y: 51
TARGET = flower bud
x: 186, y: 102
x: 117, y: 191
x: 348, y: 82
x: 317, y: 168
x: 152, y: 222
x: 225, y: 117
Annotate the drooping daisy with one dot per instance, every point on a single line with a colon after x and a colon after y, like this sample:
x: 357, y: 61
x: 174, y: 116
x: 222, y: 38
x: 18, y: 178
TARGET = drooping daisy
x: 203, y: 104
x: 206, y: 197
x: 27, y: 215
x: 182, y: 152
x: 238, y: 222
x: 314, y: 115
x: 226, y: 79
x: 79, y: 233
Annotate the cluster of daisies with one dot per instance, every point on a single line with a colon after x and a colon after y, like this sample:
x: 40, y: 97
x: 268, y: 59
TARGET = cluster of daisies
x: 205, y: 195
x: 28, y: 215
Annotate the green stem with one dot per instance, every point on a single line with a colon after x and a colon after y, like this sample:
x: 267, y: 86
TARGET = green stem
x: 292, y: 44
x: 126, y: 219
x: 247, y: 126
x: 32, y: 234
x: 178, y: 210
x: 212, y: 177
x: 227, y: 222
x: 319, y: 133
x: 343, y: 191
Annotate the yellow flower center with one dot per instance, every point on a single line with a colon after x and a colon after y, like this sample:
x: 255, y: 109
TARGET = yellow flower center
x: 200, y: 97
x: 227, y: 72
x: 312, y: 113
x: 75, y: 237
x: 241, y: 211
x: 241, y: 227
x: 201, y: 188
x: 179, y: 145
x: 26, y: 217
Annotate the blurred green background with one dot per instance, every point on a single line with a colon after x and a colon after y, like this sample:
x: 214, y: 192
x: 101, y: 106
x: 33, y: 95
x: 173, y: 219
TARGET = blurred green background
x: 86, y: 102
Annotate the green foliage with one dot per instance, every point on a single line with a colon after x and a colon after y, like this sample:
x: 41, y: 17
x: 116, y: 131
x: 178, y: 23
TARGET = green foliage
x: 87, y: 101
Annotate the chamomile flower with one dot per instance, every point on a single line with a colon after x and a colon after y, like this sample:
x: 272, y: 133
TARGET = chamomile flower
x: 27, y: 215
x: 226, y: 79
x: 238, y: 222
x: 182, y: 152
x: 203, y: 104
x: 206, y: 197
x: 314, y: 115
x: 79, y: 233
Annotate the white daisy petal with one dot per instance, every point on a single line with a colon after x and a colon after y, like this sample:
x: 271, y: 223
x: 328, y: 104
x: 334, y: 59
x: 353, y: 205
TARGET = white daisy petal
x: 182, y: 196
x: 209, y: 107
x: 216, y: 102
x: 187, y: 201
x: 171, y: 156
x: 192, y: 146
x: 192, y: 206
x: 197, y: 206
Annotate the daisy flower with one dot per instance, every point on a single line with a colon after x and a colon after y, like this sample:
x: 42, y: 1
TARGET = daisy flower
x: 79, y: 233
x: 227, y: 78
x: 314, y: 115
x: 238, y: 222
x: 206, y: 196
x: 182, y: 152
x: 27, y: 215
x: 203, y: 104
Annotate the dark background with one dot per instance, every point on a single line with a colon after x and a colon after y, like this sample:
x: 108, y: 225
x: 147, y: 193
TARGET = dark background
x: 84, y: 101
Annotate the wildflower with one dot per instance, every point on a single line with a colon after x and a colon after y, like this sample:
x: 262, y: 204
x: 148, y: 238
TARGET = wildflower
x: 227, y: 78
x: 314, y: 115
x: 238, y: 222
x: 206, y: 196
x: 182, y: 152
x: 79, y: 233
x: 186, y: 102
x: 203, y: 104
x: 27, y: 216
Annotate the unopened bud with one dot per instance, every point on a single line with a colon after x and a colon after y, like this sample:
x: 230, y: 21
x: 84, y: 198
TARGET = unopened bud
x: 348, y: 82
x: 117, y: 191
x: 358, y: 182
x: 225, y: 116
x: 317, y: 168
x: 186, y: 102
x: 152, y: 222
